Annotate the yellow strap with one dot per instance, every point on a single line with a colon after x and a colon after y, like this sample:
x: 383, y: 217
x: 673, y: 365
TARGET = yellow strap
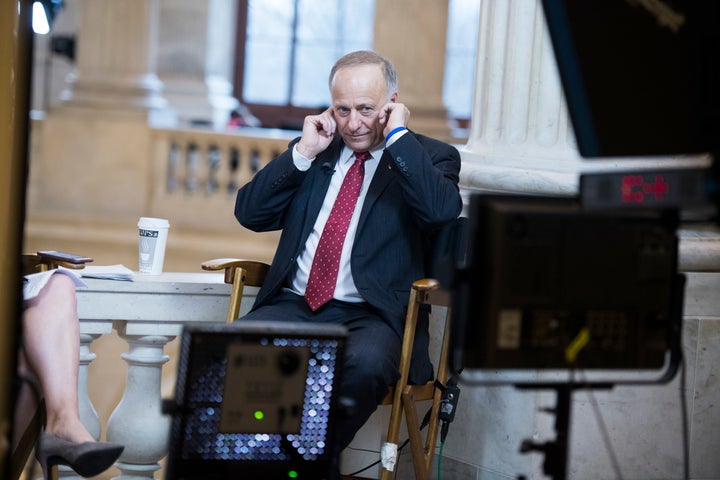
x: 578, y: 343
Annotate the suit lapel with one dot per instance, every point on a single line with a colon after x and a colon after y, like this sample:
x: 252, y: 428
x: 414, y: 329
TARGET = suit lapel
x: 320, y: 183
x: 382, y: 178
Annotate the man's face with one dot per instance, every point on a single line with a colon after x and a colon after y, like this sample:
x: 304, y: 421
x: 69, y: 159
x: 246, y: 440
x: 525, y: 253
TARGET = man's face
x: 358, y: 95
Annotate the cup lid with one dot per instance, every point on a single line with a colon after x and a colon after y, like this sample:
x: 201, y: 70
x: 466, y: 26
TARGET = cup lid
x: 150, y: 222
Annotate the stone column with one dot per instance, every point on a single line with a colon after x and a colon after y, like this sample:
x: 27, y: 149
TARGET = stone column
x: 116, y: 52
x: 196, y: 57
x: 94, y: 153
x: 413, y: 36
x: 521, y: 138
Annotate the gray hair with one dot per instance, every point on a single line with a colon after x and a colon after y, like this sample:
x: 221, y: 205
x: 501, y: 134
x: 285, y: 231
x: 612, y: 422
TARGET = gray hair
x: 367, y: 57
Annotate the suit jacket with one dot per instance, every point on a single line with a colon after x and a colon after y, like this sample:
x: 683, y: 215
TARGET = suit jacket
x: 413, y: 193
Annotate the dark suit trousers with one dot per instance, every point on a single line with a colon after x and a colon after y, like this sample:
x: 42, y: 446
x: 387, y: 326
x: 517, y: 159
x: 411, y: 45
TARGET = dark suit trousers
x: 372, y: 354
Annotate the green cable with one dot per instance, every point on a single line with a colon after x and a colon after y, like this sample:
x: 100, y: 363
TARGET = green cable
x: 442, y: 444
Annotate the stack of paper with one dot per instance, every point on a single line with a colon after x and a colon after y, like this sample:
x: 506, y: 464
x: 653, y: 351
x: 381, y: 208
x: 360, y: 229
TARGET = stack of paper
x: 108, y: 272
x: 36, y: 281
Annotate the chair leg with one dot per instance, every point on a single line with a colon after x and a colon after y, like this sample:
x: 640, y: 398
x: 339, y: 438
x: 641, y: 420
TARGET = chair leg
x: 417, y: 446
x: 27, y: 442
x: 236, y: 295
x: 396, y: 412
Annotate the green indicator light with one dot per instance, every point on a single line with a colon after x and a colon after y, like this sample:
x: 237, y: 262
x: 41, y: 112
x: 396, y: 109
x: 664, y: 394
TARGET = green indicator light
x: 292, y: 474
x: 259, y: 415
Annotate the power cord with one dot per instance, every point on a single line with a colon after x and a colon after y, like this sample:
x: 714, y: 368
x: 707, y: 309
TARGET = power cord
x: 605, y: 435
x: 684, y: 422
x: 683, y: 411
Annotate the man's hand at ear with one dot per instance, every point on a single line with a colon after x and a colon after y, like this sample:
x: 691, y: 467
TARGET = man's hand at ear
x: 393, y: 115
x: 317, y: 133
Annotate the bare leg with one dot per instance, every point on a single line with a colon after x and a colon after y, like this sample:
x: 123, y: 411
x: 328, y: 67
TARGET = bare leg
x: 52, y: 350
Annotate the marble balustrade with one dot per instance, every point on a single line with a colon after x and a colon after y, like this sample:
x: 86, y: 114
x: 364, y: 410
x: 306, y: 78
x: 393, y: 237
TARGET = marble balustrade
x: 147, y: 314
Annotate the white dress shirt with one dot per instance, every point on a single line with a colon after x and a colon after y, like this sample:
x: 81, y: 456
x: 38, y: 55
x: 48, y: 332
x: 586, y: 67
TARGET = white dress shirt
x: 345, y: 288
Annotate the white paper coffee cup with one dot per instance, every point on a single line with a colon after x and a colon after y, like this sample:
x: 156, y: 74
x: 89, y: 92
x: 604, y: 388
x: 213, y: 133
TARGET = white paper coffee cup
x: 152, y: 238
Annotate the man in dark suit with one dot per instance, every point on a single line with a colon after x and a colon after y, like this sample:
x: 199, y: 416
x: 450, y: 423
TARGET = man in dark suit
x: 409, y: 189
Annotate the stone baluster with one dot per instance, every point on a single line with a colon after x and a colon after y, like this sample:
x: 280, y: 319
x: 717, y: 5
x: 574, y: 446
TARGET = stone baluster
x: 137, y: 421
x: 88, y: 414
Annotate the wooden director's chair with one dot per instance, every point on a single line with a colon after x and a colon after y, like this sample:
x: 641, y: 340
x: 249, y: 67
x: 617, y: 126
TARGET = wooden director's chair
x: 403, y: 397
x: 35, y: 263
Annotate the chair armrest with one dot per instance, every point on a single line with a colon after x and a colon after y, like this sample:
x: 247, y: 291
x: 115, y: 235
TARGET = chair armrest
x: 219, y: 263
x: 426, y: 284
x: 254, y: 270
x: 49, y: 260
x: 432, y: 292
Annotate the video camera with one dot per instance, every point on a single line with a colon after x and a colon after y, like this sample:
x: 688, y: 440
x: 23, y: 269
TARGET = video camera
x: 591, y: 282
x: 551, y: 287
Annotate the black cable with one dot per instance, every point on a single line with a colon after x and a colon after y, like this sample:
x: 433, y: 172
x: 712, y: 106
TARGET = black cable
x: 605, y: 435
x: 684, y: 421
x: 683, y: 411
x: 600, y: 421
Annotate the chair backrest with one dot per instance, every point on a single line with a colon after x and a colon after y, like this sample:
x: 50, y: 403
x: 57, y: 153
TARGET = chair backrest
x: 448, y: 250
x: 238, y: 273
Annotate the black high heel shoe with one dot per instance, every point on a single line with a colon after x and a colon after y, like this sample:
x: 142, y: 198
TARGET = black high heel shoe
x: 87, y: 459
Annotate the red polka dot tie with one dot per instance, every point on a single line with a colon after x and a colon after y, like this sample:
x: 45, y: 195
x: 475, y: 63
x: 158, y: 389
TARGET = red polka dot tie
x: 324, y: 270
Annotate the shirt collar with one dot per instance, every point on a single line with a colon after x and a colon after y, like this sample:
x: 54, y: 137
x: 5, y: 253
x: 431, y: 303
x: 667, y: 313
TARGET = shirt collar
x: 348, y: 155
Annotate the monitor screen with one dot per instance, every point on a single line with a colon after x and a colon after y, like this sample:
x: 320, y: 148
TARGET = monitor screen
x: 255, y: 400
x: 549, y: 286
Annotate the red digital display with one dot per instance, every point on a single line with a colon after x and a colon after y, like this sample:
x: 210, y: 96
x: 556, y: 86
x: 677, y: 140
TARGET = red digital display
x: 681, y: 188
x: 644, y: 188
